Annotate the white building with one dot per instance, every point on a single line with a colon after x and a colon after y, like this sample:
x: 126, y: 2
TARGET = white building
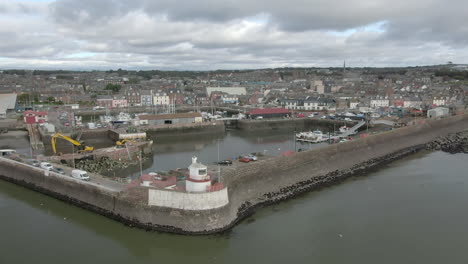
x: 412, y: 103
x: 309, y: 104
x: 378, y: 102
x: 229, y: 99
x: 353, y: 104
x: 7, y: 103
x: 198, y: 179
x: 161, y: 99
x: 439, y: 101
x: 438, y: 112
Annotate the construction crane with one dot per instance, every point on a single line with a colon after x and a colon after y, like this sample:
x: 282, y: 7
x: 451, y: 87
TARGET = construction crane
x: 121, y: 144
x: 81, y: 148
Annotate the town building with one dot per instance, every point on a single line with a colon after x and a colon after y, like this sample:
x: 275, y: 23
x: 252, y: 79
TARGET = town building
x: 161, y: 99
x: 34, y: 117
x: 229, y: 99
x: 133, y: 97
x: 379, y: 101
x: 104, y: 101
x: 412, y: 102
x: 439, y: 101
x: 318, y: 86
x: 119, y: 102
x: 269, y: 113
x: 309, y: 104
x: 168, y: 119
x: 146, y: 97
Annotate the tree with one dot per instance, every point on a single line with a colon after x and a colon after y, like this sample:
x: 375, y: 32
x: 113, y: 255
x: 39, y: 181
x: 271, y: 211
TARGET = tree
x: 50, y: 99
x: 23, y: 98
x: 113, y: 87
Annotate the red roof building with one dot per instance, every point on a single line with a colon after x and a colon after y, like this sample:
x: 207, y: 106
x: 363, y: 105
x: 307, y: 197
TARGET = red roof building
x: 33, y: 117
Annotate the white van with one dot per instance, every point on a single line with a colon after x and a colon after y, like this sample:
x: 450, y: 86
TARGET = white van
x: 80, y: 174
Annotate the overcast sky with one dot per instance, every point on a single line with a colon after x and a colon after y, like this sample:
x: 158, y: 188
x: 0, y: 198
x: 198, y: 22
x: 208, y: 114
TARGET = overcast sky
x: 230, y: 34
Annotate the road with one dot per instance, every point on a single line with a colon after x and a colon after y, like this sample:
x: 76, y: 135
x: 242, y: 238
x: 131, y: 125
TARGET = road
x: 95, y: 179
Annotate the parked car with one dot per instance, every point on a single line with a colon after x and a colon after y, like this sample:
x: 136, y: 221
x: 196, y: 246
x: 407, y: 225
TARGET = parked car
x: 259, y: 117
x: 80, y: 174
x: 34, y: 162
x: 46, y: 166
x: 244, y: 159
x: 58, y: 170
x: 251, y: 157
x: 225, y: 162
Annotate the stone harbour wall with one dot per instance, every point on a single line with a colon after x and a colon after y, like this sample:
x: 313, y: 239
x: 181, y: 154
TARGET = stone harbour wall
x: 188, y: 201
x: 250, y: 185
x: 291, y: 124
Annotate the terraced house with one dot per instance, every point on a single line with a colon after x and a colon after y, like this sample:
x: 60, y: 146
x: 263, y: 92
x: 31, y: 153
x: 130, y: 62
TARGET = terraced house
x: 309, y: 104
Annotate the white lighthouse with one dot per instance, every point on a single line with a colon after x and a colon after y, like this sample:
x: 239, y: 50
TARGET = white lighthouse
x: 198, y: 179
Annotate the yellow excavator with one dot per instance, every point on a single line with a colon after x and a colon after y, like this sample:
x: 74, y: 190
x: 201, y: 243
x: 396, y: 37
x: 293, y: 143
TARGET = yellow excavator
x: 121, y: 144
x: 81, y: 148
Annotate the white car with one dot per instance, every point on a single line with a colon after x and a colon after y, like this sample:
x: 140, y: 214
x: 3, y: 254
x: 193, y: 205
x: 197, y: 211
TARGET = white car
x: 251, y: 157
x: 46, y: 166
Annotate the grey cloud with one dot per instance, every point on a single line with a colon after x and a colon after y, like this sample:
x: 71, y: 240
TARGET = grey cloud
x: 231, y: 34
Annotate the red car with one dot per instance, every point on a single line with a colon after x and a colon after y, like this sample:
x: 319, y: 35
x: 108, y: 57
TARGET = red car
x: 244, y: 159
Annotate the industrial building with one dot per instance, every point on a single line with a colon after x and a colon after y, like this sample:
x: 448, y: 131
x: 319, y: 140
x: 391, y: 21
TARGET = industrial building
x: 228, y: 90
x: 164, y: 119
x: 438, y: 112
x: 7, y: 104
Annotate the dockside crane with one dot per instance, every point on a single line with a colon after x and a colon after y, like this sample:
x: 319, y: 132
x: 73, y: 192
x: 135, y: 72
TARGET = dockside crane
x: 81, y: 148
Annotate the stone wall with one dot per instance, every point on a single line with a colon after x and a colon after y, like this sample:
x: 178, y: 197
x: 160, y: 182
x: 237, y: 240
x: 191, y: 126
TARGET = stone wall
x: 115, y: 205
x: 194, y: 128
x: 188, y: 201
x: 278, y: 178
x: 291, y: 124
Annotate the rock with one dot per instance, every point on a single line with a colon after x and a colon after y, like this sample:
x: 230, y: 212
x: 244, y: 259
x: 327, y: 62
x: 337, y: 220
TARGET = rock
x: 453, y: 143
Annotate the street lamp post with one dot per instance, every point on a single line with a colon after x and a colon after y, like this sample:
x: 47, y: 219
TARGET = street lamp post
x: 141, y: 166
x: 73, y: 155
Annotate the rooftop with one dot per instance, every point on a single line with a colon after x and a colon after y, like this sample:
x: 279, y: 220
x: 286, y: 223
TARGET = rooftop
x: 169, y: 116
x: 269, y: 111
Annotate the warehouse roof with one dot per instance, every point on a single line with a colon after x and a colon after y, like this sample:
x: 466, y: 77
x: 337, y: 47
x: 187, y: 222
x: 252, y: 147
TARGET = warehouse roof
x: 228, y: 90
x: 7, y: 102
x: 169, y: 116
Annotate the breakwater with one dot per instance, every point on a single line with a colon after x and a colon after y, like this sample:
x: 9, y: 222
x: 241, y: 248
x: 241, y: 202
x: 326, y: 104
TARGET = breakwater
x: 249, y: 186
x: 453, y: 143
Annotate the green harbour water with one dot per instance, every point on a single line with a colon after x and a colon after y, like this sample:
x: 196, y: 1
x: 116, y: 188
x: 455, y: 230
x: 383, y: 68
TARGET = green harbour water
x: 410, y: 211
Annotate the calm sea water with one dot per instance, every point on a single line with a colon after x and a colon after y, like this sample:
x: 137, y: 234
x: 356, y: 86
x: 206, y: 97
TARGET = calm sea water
x: 411, y: 211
